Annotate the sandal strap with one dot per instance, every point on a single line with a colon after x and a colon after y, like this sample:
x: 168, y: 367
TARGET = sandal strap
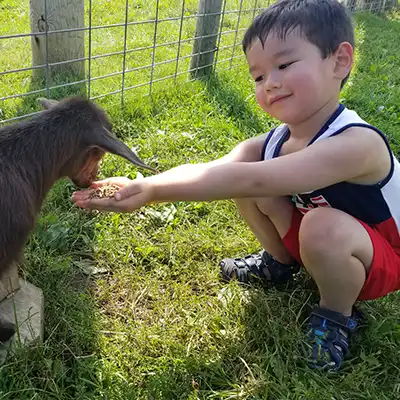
x: 247, y: 265
x: 279, y: 272
x: 336, y: 318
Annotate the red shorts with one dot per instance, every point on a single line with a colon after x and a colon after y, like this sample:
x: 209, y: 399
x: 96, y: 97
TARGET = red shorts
x: 384, y: 275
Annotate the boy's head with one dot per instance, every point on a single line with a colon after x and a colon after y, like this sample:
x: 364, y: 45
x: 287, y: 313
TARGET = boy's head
x: 292, y: 28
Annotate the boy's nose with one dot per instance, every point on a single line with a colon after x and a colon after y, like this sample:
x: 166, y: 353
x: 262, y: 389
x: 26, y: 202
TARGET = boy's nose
x: 272, y: 82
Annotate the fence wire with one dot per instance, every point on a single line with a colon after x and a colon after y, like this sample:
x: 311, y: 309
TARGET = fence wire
x: 374, y: 6
x: 120, y: 46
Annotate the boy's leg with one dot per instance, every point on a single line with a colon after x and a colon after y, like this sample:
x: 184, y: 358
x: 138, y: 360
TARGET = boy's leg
x: 269, y: 219
x: 335, y: 248
x: 337, y: 252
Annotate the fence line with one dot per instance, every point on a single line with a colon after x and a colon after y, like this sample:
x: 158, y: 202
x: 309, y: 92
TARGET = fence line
x: 374, y: 6
x: 90, y: 79
x: 49, y: 87
x: 89, y: 47
x: 232, y: 16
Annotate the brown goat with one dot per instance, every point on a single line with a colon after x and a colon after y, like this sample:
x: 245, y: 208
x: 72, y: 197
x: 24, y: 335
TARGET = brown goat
x: 68, y: 139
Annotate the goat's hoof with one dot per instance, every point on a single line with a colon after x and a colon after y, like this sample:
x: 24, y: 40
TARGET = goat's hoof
x: 7, y: 330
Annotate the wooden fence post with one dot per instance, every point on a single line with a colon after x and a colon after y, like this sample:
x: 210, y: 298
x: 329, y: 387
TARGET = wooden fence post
x: 60, y: 14
x: 204, y: 47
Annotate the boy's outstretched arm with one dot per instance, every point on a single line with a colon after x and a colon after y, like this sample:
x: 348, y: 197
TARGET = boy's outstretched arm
x: 247, y: 151
x: 355, y: 155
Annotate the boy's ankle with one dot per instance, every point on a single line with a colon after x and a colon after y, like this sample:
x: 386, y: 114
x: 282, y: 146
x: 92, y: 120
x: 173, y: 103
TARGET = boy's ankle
x: 348, y: 312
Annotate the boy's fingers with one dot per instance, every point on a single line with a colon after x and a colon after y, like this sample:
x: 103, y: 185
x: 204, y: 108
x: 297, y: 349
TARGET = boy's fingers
x: 110, y: 204
x: 97, y: 204
x: 80, y: 195
x: 100, y: 183
x: 127, y: 191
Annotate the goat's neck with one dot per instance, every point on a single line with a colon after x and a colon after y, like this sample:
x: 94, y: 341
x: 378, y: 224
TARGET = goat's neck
x: 54, y: 150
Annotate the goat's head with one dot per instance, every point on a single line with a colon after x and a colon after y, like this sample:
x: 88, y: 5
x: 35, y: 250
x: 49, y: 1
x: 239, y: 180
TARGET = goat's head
x: 95, y: 140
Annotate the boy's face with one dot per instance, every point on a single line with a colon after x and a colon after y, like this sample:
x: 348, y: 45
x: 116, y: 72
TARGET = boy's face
x: 293, y: 81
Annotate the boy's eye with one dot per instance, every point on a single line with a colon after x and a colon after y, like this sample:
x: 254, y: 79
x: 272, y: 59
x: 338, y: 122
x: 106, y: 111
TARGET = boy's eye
x: 259, y: 78
x: 284, y: 66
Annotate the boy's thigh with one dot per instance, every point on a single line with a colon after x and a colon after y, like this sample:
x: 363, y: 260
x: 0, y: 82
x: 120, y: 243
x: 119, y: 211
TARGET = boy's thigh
x: 291, y: 238
x: 384, y: 273
x: 279, y: 210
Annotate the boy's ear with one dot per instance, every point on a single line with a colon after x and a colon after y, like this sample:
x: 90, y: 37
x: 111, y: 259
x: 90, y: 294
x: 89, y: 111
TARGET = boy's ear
x: 344, y: 59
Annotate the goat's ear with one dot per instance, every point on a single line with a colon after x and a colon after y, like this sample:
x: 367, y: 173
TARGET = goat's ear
x: 47, y: 103
x: 106, y: 141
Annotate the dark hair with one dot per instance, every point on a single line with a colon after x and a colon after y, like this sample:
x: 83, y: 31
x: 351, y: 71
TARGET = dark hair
x: 324, y: 23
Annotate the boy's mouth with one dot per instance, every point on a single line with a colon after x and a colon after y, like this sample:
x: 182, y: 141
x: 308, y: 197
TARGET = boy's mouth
x: 276, y: 99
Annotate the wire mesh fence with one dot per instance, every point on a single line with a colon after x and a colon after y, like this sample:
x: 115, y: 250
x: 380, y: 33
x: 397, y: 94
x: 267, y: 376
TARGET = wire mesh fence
x: 119, y: 48
x: 374, y: 6
x: 126, y: 45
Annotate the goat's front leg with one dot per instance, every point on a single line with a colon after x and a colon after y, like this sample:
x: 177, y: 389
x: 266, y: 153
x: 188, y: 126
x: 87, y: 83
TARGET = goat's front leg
x: 9, y: 283
x: 9, y: 280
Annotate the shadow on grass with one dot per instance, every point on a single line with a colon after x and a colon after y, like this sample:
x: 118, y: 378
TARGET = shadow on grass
x: 234, y: 106
x: 374, y: 89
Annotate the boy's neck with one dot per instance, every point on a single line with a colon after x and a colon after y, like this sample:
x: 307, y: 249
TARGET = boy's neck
x: 310, y: 127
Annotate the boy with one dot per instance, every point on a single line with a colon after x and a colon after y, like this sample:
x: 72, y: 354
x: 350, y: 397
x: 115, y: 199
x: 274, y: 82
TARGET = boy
x: 318, y: 191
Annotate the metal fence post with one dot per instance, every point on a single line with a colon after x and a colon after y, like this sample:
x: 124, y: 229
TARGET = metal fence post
x: 52, y: 15
x: 204, y: 47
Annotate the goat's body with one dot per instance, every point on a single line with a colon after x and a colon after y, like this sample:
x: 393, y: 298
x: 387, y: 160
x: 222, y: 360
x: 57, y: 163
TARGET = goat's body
x: 69, y: 139
x: 22, y: 189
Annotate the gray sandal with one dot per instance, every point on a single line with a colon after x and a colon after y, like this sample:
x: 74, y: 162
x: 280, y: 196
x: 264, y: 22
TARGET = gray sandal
x: 252, y: 268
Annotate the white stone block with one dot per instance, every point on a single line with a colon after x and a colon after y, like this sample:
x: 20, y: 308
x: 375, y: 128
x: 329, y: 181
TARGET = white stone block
x: 25, y: 308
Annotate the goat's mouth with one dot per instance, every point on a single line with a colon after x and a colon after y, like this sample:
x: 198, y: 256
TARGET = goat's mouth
x: 82, y: 184
x: 83, y: 181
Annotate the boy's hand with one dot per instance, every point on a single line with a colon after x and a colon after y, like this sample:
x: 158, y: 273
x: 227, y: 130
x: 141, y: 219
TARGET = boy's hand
x: 132, y: 195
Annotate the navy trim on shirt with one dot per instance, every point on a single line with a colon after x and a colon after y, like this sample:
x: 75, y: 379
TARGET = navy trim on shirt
x: 285, y: 137
x: 282, y: 140
x: 338, y: 111
x: 266, y: 143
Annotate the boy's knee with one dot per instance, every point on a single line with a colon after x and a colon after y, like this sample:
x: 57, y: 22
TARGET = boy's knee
x: 265, y: 205
x: 321, y: 231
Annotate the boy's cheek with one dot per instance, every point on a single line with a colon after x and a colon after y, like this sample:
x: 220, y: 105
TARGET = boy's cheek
x: 260, y: 97
x: 304, y: 81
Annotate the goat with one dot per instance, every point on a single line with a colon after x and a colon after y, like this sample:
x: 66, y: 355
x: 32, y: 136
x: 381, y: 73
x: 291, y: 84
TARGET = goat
x: 67, y: 139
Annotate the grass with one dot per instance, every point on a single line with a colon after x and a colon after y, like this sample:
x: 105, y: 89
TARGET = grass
x: 159, y: 324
